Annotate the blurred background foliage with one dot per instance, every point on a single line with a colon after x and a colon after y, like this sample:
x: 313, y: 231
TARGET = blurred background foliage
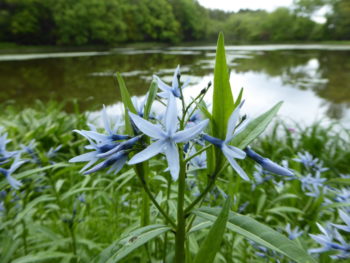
x: 106, y: 22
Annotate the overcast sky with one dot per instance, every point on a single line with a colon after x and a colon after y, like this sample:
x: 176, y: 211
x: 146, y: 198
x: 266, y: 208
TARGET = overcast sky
x: 235, y: 5
x: 269, y: 5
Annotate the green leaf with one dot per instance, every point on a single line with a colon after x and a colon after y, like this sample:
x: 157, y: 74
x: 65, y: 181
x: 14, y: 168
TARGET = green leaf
x: 211, y: 244
x: 222, y: 94
x: 151, y: 96
x: 239, y: 98
x: 255, y: 127
x: 128, y: 105
x: 133, y: 240
x: 222, y: 104
x: 46, y: 256
x: 259, y: 233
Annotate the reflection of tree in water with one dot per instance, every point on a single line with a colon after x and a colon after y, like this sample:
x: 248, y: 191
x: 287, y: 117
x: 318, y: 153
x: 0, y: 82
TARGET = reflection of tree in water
x: 325, y: 72
x: 87, y: 79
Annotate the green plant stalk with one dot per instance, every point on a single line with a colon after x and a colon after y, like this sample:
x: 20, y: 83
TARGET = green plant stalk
x: 167, y: 211
x: 209, y: 186
x: 154, y: 201
x: 180, y: 236
x: 74, y: 243
x: 24, y: 237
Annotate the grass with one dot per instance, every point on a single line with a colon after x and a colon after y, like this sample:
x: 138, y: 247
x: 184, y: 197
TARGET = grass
x: 62, y: 216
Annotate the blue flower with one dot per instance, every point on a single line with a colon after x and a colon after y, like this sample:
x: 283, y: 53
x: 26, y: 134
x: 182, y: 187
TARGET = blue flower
x: 174, y: 89
x: 199, y: 161
x: 230, y: 151
x: 8, y: 172
x: 330, y: 241
x: 166, y: 139
x: 267, y: 164
x: 293, y: 233
x: 309, y: 162
x: 4, y: 154
x: 346, y: 218
x: 313, y: 184
x: 106, y: 147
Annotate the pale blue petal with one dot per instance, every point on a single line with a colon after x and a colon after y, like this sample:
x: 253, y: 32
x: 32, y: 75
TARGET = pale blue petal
x: 98, y: 137
x: 115, y: 168
x: 147, y: 127
x: 236, y: 167
x: 89, y: 164
x: 175, y: 83
x: 106, y: 121
x: 83, y: 157
x: 162, y: 85
x: 233, y: 152
x: 163, y: 94
x: 190, y: 133
x: 232, y: 123
x: 344, y: 217
x: 185, y: 85
x: 172, y: 156
x: 148, y: 153
x: 86, y: 136
x: 171, y: 116
x: 13, y: 182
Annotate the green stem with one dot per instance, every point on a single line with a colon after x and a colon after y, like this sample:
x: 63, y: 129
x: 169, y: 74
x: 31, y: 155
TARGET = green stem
x: 180, y: 237
x: 154, y: 201
x: 74, y: 243
x: 209, y: 186
x: 24, y: 237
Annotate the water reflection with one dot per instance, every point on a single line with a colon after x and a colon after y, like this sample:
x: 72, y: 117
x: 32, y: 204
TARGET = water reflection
x: 314, y: 81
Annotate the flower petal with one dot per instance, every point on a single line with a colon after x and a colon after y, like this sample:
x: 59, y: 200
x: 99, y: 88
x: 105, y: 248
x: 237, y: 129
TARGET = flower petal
x: 172, y: 155
x: 13, y: 182
x: 233, y: 152
x: 237, y: 168
x: 83, y: 157
x: 106, y: 121
x: 170, y: 120
x: 232, y: 122
x: 148, y: 153
x: 162, y: 85
x: 147, y: 127
x: 190, y: 133
x: 175, y: 83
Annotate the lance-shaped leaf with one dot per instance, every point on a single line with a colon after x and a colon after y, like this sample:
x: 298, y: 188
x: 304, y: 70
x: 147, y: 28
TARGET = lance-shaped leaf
x: 255, y: 127
x: 128, y: 105
x: 211, y: 244
x: 124, y: 246
x: 259, y: 233
x: 222, y: 94
x: 152, y: 93
x: 222, y: 103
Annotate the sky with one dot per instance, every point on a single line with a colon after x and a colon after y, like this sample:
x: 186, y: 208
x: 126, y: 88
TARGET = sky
x: 269, y: 5
x: 235, y: 5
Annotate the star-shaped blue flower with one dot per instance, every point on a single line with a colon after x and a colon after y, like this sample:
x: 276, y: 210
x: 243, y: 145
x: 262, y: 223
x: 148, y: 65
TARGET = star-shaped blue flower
x: 167, y: 138
x: 231, y: 153
x: 174, y: 89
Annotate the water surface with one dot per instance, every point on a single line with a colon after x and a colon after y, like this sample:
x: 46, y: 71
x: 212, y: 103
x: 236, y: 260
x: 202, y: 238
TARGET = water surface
x: 312, y: 80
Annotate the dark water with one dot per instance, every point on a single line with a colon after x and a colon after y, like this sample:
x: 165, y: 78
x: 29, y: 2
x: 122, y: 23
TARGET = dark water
x: 313, y: 81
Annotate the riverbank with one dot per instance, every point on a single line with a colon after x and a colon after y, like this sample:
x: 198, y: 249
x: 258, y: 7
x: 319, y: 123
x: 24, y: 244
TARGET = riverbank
x: 13, y: 48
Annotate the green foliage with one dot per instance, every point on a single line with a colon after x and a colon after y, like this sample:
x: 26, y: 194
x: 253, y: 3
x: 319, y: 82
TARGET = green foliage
x: 260, y: 234
x: 212, y: 242
x: 106, y: 22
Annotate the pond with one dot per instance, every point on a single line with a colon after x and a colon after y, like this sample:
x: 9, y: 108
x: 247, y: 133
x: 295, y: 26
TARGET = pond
x: 312, y: 80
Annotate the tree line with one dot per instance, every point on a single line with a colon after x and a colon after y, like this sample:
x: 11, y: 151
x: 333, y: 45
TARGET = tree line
x: 106, y: 22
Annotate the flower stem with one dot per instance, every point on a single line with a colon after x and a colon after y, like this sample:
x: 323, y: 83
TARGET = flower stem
x: 209, y: 186
x: 180, y: 237
x: 154, y: 201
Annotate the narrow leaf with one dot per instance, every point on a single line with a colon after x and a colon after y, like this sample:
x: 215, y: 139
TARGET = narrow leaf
x: 152, y: 93
x: 211, y: 244
x: 255, y: 127
x: 128, y: 105
x: 259, y: 233
x: 222, y: 94
x: 133, y: 240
